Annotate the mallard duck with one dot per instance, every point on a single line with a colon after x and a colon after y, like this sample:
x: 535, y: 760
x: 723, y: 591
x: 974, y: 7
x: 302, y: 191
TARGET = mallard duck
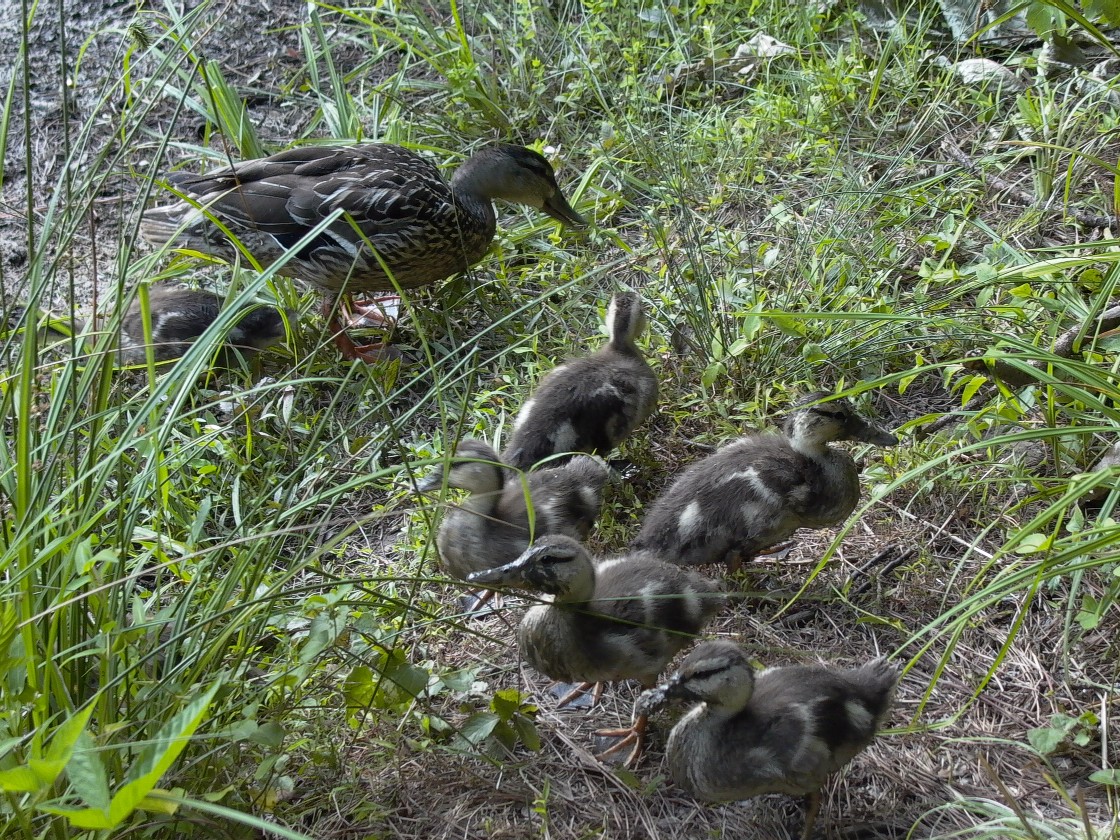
x: 400, y: 224
x: 609, y: 619
x: 180, y: 315
x: 492, y: 527
x: 590, y: 404
x: 783, y: 730
x: 758, y: 490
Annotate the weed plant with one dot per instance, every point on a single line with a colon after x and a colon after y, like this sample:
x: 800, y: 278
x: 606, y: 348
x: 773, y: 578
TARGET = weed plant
x: 215, y: 584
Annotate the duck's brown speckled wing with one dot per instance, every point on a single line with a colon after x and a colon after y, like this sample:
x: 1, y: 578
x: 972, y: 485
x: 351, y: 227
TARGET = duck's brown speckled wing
x: 396, y: 199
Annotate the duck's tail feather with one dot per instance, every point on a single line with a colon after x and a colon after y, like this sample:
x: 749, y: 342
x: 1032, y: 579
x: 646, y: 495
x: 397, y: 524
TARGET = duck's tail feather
x: 174, y: 224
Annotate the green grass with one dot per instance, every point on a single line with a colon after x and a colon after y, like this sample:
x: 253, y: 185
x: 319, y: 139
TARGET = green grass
x: 213, y: 586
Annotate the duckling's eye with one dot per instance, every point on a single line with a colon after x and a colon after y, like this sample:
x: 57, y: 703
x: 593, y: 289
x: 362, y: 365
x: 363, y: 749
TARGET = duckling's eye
x: 555, y: 558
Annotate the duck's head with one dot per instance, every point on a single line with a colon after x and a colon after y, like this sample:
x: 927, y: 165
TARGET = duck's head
x: 520, y: 176
x: 475, y: 468
x: 716, y: 672
x: 626, y: 318
x: 814, y: 424
x: 260, y: 327
x: 554, y: 564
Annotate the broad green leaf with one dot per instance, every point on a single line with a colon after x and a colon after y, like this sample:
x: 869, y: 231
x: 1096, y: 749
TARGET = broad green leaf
x: 1046, y: 739
x: 813, y: 352
x: 527, y: 732
x: 271, y: 734
x: 321, y: 635
x: 67, y: 735
x: 788, y: 325
x: 739, y: 346
x: 1042, y: 19
x: 505, y: 735
x: 506, y: 702
x: 971, y: 387
x: 1107, y: 9
x: 20, y: 780
x: 89, y: 818
x: 712, y: 373
x: 358, y: 687
x: 1033, y: 543
x: 411, y: 679
x: 158, y: 805
x: 1106, y: 777
x: 157, y: 759
x: 87, y: 775
x: 477, y: 728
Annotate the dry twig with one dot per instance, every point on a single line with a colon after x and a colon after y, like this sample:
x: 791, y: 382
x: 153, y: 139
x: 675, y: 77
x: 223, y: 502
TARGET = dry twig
x: 1083, y: 217
x: 1018, y: 376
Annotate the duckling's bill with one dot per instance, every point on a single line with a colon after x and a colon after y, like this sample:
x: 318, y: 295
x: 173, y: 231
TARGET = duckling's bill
x: 526, y: 571
x: 870, y: 433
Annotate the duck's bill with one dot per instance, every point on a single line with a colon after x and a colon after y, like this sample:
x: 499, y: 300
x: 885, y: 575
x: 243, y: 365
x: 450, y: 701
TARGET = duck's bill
x: 558, y: 208
x: 509, y: 574
x: 433, y: 481
x: 651, y: 700
x: 873, y: 434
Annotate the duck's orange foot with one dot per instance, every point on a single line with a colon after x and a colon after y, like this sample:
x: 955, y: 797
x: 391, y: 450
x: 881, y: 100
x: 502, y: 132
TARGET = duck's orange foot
x: 368, y: 353
x: 373, y: 312
x: 635, y: 735
x: 577, y: 696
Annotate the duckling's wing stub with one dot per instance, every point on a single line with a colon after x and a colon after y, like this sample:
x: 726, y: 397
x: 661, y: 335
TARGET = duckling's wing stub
x: 656, y: 607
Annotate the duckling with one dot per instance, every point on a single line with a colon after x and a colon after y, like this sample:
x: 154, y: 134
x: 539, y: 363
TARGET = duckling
x: 399, y: 224
x: 593, y: 403
x: 491, y: 527
x: 608, y: 619
x: 759, y: 489
x: 783, y: 730
x: 180, y: 315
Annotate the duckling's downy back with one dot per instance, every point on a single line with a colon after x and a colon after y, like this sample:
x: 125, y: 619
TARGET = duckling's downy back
x: 783, y: 730
x: 593, y: 403
x: 757, y: 490
x: 611, y: 619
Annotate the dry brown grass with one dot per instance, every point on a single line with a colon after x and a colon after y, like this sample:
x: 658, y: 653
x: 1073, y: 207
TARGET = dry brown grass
x: 941, y: 743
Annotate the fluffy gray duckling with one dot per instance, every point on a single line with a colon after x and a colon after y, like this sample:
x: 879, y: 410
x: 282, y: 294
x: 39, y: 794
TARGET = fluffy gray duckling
x: 179, y: 316
x: 399, y: 224
x: 605, y: 620
x: 757, y: 490
x: 491, y: 527
x: 782, y: 730
x: 593, y: 403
